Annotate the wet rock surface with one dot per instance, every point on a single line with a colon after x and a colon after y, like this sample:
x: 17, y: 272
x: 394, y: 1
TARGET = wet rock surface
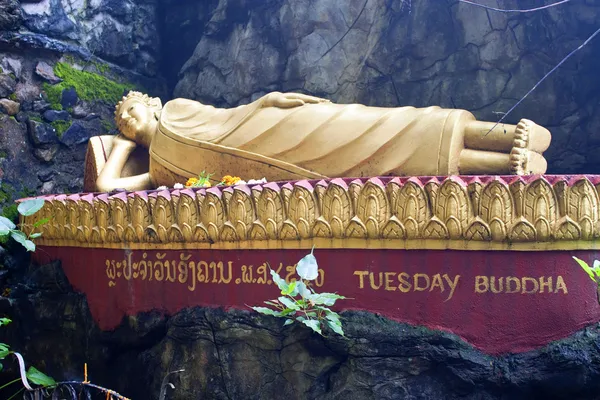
x: 238, y: 354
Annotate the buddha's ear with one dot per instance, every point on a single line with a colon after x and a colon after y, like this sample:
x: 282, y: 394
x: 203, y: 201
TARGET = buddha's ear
x: 155, y: 102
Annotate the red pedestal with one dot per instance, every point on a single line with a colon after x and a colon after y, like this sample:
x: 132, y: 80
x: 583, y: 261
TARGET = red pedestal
x: 500, y: 302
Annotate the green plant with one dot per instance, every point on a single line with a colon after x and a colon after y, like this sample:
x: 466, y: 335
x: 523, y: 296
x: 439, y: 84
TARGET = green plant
x: 32, y: 375
x: 593, y: 272
x: 299, y: 302
x: 26, y: 209
x: 60, y: 127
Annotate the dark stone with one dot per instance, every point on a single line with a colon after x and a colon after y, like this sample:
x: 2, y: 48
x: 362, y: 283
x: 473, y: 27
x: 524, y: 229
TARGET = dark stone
x: 46, y: 153
x: 55, y: 24
x: 45, y: 175
x: 54, y: 115
x: 46, y: 72
x: 120, y: 9
x: 41, y: 133
x: 76, y: 134
x: 7, y: 85
x: 10, y: 15
x: 40, y: 106
x: 69, y: 98
x: 22, y: 117
x: 91, y: 117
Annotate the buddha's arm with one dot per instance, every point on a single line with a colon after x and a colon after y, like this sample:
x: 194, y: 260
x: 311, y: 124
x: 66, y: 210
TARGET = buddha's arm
x: 110, y: 177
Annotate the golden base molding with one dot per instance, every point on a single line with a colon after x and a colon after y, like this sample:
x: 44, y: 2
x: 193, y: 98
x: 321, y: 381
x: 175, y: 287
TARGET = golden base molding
x: 464, y: 213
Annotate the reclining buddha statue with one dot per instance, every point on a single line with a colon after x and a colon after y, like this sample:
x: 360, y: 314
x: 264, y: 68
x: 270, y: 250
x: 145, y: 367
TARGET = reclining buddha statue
x: 291, y: 136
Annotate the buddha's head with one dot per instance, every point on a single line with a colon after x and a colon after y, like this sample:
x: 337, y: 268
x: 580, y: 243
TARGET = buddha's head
x: 137, y: 117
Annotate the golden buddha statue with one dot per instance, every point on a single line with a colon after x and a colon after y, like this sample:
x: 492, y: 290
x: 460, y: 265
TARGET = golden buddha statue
x: 291, y: 136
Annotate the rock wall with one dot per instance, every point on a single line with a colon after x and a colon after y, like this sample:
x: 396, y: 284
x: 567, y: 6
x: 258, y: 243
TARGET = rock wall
x: 63, y: 66
x: 400, y: 52
x: 239, y: 354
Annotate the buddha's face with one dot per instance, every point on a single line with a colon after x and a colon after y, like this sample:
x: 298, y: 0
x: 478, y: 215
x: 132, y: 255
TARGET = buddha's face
x: 136, y: 118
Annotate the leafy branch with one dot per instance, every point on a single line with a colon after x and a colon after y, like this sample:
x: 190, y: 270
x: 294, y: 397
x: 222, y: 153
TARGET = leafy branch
x: 299, y: 302
x: 26, y: 209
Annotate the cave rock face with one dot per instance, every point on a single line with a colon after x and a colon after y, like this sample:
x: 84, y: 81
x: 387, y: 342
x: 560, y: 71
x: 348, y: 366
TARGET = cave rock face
x: 399, y: 52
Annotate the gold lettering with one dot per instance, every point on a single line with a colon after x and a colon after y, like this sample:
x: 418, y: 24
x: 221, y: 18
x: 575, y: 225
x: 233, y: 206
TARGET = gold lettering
x: 405, y: 284
x: 493, y: 287
x: 560, y: 285
x: 481, y: 281
x: 517, y: 283
x: 261, y: 271
x: 127, y: 273
x: 453, y: 285
x: 361, y: 278
x: 192, y: 266
x: 547, y: 284
x: 373, y: 286
x: 159, y: 273
x: 202, y: 273
x: 222, y: 279
x: 321, y: 278
x: 183, y: 268
x: 535, y: 283
x: 291, y: 271
x: 144, y: 272
x: 388, y: 281
x: 436, y: 281
x: 416, y: 278
x: 214, y: 266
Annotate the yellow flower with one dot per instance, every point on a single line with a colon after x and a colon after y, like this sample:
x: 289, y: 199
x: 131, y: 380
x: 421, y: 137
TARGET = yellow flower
x: 229, y: 180
x: 190, y: 182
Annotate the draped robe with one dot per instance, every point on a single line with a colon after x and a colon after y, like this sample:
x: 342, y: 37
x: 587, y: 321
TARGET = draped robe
x: 310, y: 141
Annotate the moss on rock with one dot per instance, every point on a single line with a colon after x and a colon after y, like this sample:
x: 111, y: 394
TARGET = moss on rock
x: 89, y: 86
x: 60, y: 127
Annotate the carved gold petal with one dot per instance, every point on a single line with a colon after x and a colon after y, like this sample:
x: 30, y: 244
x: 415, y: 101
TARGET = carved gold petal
x: 289, y: 231
x: 213, y: 215
x: 337, y: 209
x: 435, y: 229
x: 356, y: 229
x: 140, y: 215
x: 478, y: 230
x: 567, y: 229
x: 522, y: 231
x: 453, y: 207
x: 394, y: 229
x: 270, y: 211
x: 175, y: 234
x: 582, y: 206
x: 258, y: 231
x: 240, y: 212
x: 372, y: 207
x: 201, y: 233
x: 412, y: 204
x: 303, y: 209
x: 322, y: 228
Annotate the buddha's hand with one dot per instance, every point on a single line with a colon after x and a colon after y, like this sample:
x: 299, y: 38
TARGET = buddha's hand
x: 124, y: 143
x: 290, y: 100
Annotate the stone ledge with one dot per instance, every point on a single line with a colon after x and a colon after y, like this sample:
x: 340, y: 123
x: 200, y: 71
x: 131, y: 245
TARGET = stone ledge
x: 470, y: 213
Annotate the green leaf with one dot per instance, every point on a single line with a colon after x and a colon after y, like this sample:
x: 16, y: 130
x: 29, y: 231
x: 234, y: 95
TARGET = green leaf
x: 281, y: 283
x: 39, y: 378
x: 35, y: 235
x: 336, y: 327
x: 287, y: 311
x: 327, y: 299
x: 41, y: 222
x: 6, y: 225
x: 29, y: 245
x: 5, y: 321
x: 18, y: 236
x: 333, y: 317
x: 273, y: 304
x: 302, y: 290
x: 288, y: 322
x: 30, y: 207
x: 314, y: 325
x: 267, y: 311
x: 4, y: 353
x: 586, y: 268
x: 290, y: 290
x: 289, y: 303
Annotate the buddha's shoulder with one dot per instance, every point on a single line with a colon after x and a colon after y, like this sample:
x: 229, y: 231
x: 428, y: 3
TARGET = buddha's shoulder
x: 182, y: 105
